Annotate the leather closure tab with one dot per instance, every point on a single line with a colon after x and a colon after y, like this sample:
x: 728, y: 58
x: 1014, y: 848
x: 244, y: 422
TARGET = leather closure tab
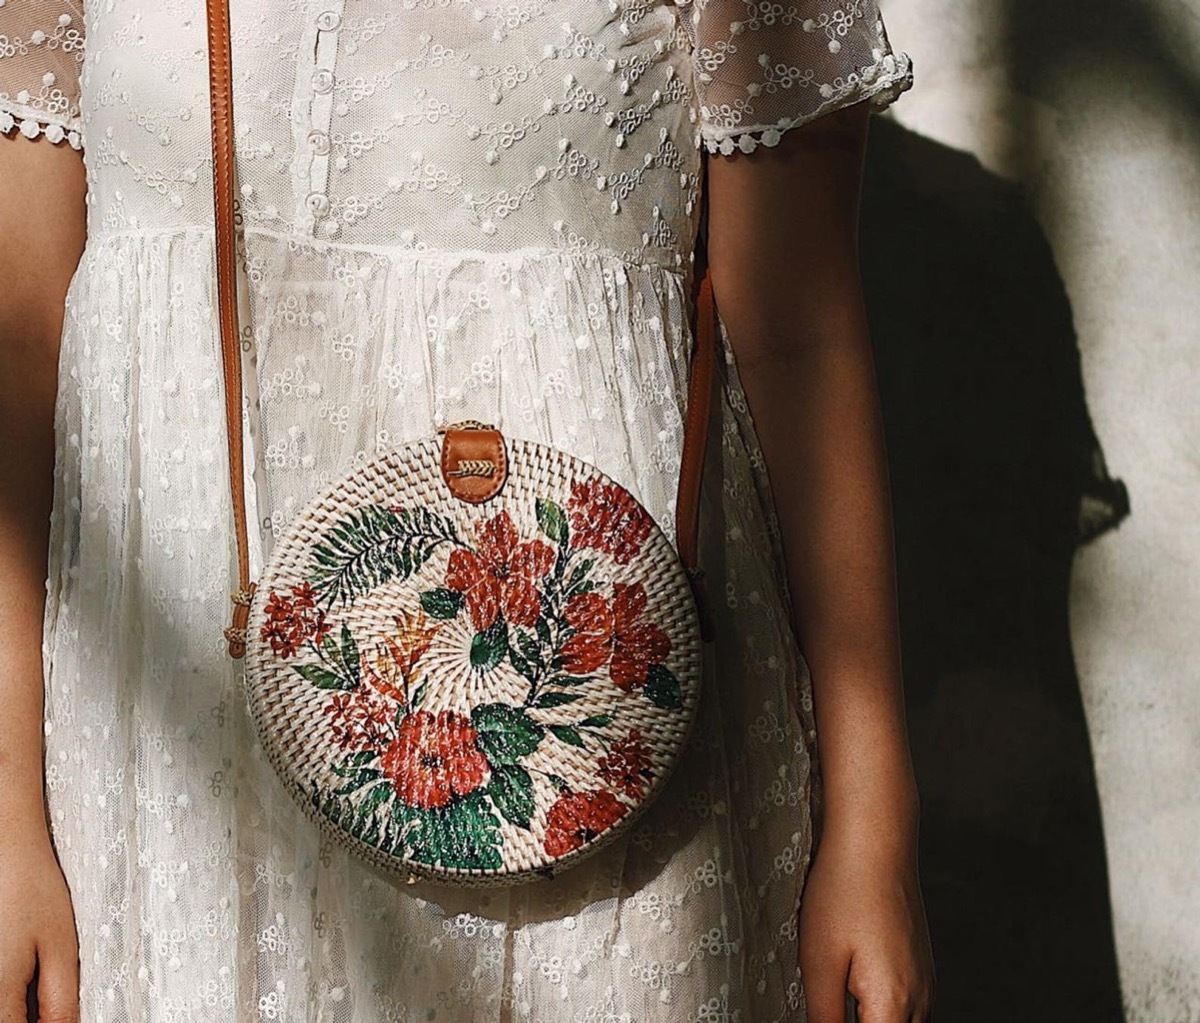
x: 474, y: 462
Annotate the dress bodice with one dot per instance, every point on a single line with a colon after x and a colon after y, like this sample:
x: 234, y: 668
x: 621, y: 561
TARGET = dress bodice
x: 440, y: 125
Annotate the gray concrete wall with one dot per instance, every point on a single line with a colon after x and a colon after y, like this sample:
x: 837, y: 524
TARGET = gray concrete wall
x: 1031, y: 246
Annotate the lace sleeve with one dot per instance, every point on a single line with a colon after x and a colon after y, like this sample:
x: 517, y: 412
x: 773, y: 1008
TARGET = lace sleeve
x: 764, y: 66
x: 41, y: 52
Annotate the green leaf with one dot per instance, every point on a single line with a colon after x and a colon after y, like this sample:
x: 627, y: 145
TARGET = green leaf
x: 372, y: 546
x: 463, y: 834
x: 579, y: 576
x: 327, y: 803
x: 596, y: 721
x: 355, y: 780
x: 559, y: 783
x: 552, y: 520
x: 350, y: 654
x: 323, y: 678
x: 524, y: 668
x: 529, y: 645
x: 442, y: 602
x: 551, y: 699
x: 365, y: 811
x: 570, y: 680
x: 567, y: 734
x: 505, y: 733
x: 489, y: 647
x: 370, y: 834
x: 419, y: 695
x: 511, y: 789
x: 401, y: 813
x: 662, y: 688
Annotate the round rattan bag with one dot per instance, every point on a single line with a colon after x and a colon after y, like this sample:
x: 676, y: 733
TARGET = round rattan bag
x: 473, y: 692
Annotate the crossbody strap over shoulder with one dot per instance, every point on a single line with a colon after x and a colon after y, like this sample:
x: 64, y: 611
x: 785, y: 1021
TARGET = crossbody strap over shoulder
x: 700, y: 385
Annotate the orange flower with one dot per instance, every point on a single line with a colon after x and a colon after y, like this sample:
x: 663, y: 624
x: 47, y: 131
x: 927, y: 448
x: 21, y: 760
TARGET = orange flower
x: 434, y: 758
x: 604, y: 630
x: 293, y: 621
x: 579, y: 817
x: 396, y: 665
x: 605, y: 517
x: 503, y: 574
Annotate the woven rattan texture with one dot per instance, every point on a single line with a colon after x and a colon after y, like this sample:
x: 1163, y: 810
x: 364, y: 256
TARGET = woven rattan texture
x: 432, y: 721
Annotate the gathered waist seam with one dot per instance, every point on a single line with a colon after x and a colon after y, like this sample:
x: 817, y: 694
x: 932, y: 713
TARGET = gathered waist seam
x: 401, y: 252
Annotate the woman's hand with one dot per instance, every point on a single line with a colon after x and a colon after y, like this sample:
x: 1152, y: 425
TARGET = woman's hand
x: 863, y: 930
x: 38, y: 931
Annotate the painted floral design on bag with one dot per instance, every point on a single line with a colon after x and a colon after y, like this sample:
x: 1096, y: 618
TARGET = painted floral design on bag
x: 440, y: 786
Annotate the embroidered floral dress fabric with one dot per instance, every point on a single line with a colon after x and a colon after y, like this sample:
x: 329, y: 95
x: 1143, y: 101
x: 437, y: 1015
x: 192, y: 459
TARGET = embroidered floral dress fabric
x: 453, y: 209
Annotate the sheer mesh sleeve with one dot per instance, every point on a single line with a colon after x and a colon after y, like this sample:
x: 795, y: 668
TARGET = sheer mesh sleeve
x: 41, y: 52
x: 764, y: 66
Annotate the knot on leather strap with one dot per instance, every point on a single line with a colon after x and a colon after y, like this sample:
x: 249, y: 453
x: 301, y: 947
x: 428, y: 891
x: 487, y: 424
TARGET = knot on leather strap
x: 235, y: 633
x: 236, y: 639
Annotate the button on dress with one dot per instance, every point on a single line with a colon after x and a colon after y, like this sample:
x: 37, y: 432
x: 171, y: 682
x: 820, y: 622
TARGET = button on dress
x: 453, y: 209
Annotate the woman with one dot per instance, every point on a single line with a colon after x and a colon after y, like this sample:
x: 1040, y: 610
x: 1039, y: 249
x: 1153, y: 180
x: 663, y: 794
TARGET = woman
x: 452, y: 210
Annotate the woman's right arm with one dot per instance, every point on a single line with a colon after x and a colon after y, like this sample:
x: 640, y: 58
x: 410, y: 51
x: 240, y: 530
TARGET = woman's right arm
x: 42, y: 230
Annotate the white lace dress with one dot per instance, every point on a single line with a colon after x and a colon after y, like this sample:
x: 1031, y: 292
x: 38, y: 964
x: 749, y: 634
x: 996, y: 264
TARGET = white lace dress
x: 454, y: 209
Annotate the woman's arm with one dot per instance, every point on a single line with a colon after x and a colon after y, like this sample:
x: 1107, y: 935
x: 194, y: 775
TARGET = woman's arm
x: 42, y: 226
x: 782, y: 247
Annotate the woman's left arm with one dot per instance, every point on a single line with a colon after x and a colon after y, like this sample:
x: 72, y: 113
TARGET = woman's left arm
x: 782, y: 248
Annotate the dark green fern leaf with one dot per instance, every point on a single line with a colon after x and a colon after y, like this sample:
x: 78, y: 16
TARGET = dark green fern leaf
x: 372, y: 546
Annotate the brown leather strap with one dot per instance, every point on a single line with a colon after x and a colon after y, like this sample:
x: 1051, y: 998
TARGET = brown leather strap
x: 703, y: 357
x: 220, y: 70
x: 695, y: 445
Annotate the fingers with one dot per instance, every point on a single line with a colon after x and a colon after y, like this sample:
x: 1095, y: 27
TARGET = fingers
x: 897, y: 1006
x: 12, y: 1002
x: 825, y: 990
x: 893, y: 1011
x: 58, y: 982
x: 15, y: 973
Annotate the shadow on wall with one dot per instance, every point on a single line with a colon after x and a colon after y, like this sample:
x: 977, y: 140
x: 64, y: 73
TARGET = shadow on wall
x: 997, y: 478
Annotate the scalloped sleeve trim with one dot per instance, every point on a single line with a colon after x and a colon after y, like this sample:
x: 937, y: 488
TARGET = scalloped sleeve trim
x: 31, y: 122
x: 881, y: 83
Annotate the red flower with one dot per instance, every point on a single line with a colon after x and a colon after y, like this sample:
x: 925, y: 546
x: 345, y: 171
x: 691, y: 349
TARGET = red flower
x: 291, y: 622
x: 626, y: 766
x: 604, y: 630
x: 590, y: 615
x: 605, y: 517
x: 579, y: 817
x: 637, y: 645
x: 434, y: 758
x: 360, y: 720
x: 501, y: 575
